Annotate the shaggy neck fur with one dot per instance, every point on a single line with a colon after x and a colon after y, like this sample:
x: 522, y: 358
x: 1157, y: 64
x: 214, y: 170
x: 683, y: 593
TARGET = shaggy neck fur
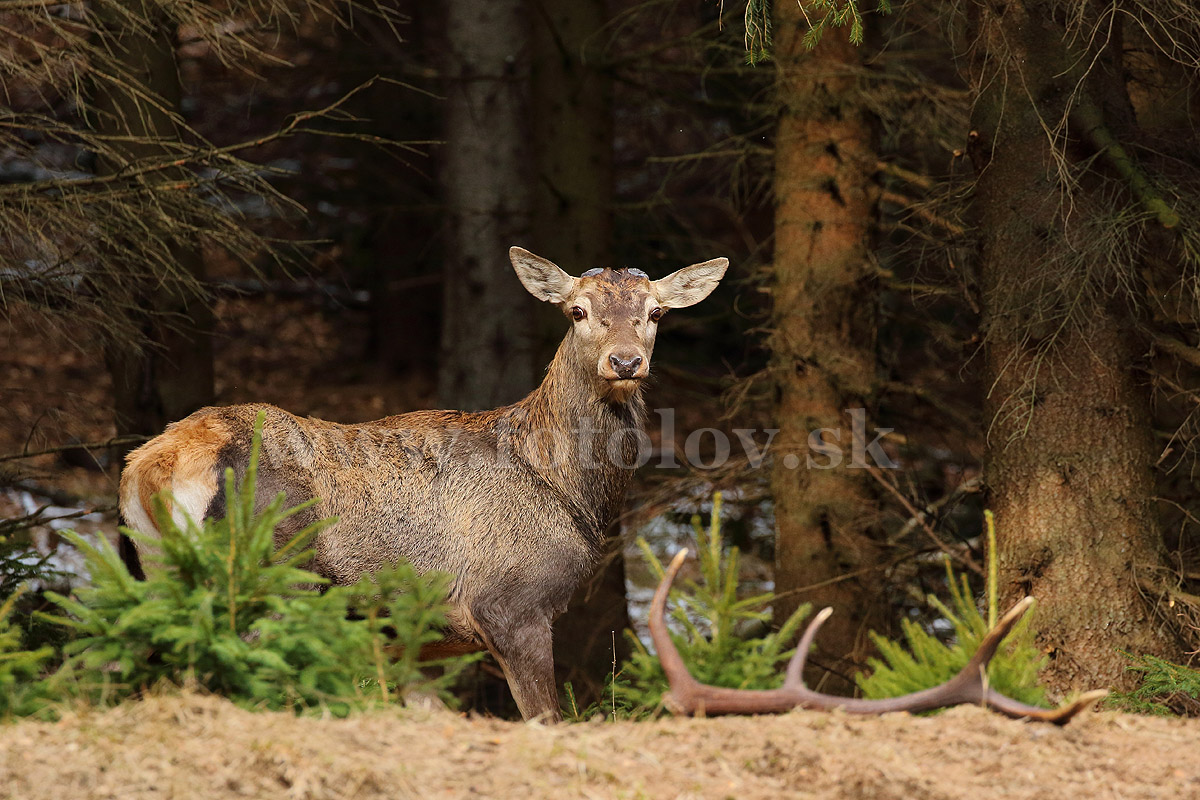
x: 582, y: 443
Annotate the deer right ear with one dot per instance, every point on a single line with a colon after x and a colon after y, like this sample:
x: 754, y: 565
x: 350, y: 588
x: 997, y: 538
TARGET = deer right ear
x: 544, y: 279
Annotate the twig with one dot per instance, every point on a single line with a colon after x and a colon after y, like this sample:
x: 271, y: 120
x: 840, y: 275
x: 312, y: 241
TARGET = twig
x: 910, y: 205
x: 919, y: 516
x: 962, y: 420
x: 25, y: 5
x: 62, y: 448
x: 966, y: 487
x: 906, y: 175
x: 13, y: 524
x: 1169, y: 344
x: 56, y: 496
x: 1176, y: 387
x: 847, y: 576
x: 292, y: 126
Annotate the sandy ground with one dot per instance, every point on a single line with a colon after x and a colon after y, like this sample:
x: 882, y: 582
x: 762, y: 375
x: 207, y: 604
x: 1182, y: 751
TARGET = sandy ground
x: 202, y: 747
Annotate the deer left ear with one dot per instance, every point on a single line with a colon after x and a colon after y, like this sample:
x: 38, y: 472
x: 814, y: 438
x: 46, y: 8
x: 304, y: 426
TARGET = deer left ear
x: 689, y: 285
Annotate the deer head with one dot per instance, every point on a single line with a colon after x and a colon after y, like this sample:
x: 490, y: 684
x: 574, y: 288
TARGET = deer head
x: 615, y: 313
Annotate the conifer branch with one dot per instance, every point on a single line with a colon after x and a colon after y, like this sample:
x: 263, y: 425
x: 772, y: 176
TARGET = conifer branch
x: 1089, y: 124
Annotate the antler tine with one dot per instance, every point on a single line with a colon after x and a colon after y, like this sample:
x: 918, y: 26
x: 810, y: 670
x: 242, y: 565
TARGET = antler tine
x: 1007, y: 706
x: 672, y: 663
x: 689, y: 696
x: 1057, y: 716
x: 990, y: 643
x: 795, y: 669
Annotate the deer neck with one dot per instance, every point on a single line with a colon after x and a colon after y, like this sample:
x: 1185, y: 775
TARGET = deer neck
x: 581, y: 443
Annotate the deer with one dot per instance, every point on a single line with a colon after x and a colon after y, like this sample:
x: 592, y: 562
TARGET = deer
x: 514, y: 503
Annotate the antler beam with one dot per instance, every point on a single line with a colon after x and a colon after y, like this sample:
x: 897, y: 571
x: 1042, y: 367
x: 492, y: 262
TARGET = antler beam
x: 690, y: 697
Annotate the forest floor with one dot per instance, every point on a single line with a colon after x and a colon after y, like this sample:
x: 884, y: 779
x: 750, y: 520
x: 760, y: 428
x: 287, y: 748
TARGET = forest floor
x: 203, y: 747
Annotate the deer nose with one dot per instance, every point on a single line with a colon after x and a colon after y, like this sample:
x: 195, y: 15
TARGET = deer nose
x: 625, y: 368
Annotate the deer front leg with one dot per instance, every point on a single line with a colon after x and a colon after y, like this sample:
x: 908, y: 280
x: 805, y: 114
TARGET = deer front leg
x: 524, y: 650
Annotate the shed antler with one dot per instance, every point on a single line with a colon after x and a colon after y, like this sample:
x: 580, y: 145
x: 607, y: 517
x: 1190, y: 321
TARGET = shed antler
x: 689, y: 696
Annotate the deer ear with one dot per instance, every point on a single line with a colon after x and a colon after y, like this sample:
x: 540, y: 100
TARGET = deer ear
x: 691, y: 284
x: 544, y: 279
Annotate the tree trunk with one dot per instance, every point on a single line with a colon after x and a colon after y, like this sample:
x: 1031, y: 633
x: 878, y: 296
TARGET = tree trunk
x: 573, y: 225
x: 486, y: 351
x: 1071, y: 454
x: 171, y: 375
x: 823, y: 340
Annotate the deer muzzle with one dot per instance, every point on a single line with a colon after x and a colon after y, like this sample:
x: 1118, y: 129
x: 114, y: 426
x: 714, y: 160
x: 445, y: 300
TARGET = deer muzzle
x: 627, y: 367
x: 624, y: 364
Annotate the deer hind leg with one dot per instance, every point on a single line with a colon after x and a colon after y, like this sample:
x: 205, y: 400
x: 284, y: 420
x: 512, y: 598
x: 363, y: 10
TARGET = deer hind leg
x: 523, y: 648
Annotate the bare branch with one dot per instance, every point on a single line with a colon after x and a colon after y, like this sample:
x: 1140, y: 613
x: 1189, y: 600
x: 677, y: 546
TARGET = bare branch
x: 1169, y: 344
x: 62, y: 448
x: 920, y: 518
x: 1087, y: 117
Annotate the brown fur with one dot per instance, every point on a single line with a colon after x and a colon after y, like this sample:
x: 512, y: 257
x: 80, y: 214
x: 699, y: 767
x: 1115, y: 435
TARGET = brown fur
x: 186, y: 451
x: 513, y: 502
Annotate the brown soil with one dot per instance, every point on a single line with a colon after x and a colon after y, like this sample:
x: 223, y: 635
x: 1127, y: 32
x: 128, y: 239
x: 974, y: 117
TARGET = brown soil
x: 190, y: 746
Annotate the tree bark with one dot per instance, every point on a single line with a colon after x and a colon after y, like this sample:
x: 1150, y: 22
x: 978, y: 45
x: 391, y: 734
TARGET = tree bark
x: 1070, y: 447
x: 823, y: 338
x: 171, y: 374
x: 487, y: 347
x: 573, y: 225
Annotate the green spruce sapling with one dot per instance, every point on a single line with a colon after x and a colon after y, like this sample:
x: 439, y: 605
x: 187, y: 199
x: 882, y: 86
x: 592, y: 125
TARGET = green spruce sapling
x: 224, y: 611
x: 927, y: 661
x: 708, y: 613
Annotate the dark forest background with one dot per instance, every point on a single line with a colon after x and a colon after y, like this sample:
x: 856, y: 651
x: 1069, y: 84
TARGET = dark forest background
x: 978, y: 224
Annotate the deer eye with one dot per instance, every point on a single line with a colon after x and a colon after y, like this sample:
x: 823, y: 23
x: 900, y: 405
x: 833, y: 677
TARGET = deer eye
x: 577, y: 313
x: 656, y: 315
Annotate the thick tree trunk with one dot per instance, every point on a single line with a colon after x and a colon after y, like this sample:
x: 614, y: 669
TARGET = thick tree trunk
x: 171, y: 375
x: 823, y: 340
x: 573, y: 225
x: 486, y: 351
x: 1071, y: 454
